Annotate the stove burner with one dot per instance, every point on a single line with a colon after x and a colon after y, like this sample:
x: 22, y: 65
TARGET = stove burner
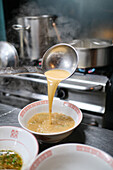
x: 91, y: 70
x: 86, y: 71
x: 81, y: 70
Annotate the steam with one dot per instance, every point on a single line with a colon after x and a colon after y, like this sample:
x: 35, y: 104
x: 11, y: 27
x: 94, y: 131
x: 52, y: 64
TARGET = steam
x: 68, y: 28
x: 20, y: 70
x: 28, y: 9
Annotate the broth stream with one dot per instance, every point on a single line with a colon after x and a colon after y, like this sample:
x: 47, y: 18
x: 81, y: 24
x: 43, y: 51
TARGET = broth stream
x: 54, y: 77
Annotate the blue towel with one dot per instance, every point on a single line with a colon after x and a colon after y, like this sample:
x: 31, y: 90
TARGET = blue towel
x: 2, y: 23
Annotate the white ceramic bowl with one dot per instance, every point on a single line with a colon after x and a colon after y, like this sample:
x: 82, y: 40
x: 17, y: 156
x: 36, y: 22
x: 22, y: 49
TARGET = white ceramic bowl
x: 73, y: 156
x: 58, y: 106
x: 20, y: 141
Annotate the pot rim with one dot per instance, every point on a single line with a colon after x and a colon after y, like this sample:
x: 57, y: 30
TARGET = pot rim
x: 37, y: 17
x: 101, y: 46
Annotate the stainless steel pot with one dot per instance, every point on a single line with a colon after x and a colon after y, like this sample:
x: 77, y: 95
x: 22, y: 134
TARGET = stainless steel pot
x: 35, y: 34
x: 8, y: 55
x: 93, y: 52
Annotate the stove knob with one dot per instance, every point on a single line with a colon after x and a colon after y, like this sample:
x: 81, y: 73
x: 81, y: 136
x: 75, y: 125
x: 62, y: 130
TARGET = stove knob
x: 93, y: 123
x: 62, y: 93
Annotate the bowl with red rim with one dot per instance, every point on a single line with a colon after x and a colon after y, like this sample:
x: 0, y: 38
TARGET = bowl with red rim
x: 73, y: 156
x: 20, y: 141
x: 58, y: 106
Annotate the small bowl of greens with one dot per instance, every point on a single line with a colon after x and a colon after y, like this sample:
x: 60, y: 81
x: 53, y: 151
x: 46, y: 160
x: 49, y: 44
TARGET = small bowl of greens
x: 18, y: 148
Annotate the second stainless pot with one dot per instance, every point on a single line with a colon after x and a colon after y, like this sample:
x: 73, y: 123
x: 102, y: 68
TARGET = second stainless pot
x: 8, y: 55
x: 35, y: 35
x: 93, y: 52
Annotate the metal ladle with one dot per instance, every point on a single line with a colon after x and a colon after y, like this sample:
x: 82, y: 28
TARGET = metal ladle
x: 61, y: 56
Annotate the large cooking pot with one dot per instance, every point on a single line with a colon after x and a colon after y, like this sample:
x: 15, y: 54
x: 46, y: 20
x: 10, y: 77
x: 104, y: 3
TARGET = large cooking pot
x: 35, y: 34
x: 93, y: 52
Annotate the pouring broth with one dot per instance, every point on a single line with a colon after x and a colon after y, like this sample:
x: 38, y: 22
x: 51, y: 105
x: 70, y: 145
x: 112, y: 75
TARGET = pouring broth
x: 54, y: 77
x: 51, y: 122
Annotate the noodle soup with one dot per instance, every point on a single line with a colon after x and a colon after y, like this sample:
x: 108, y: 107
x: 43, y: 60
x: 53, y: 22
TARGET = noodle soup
x: 40, y: 123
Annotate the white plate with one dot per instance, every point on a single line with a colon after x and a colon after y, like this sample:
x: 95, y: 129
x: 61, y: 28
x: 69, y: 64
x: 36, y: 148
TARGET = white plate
x: 73, y: 157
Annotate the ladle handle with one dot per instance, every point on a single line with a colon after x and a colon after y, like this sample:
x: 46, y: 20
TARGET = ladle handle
x: 57, y: 32
x: 55, y: 28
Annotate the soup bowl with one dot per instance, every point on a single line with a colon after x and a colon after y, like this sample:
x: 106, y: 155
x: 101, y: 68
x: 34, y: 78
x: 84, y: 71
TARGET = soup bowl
x: 73, y: 156
x: 58, y: 106
x: 20, y: 141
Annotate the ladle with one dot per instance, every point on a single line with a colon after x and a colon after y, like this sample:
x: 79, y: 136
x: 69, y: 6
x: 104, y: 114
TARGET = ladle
x: 60, y: 56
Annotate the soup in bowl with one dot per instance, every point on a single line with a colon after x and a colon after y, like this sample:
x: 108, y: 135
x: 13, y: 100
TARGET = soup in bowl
x: 65, y: 118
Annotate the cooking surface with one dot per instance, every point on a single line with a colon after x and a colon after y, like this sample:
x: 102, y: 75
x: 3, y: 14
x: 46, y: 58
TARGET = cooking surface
x: 86, y: 134
x: 86, y: 91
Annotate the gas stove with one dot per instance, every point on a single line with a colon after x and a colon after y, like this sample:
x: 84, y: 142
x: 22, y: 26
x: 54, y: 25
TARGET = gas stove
x: 86, y: 88
x: 86, y: 91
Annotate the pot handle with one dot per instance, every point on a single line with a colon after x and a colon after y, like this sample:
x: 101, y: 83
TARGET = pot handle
x: 19, y: 27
